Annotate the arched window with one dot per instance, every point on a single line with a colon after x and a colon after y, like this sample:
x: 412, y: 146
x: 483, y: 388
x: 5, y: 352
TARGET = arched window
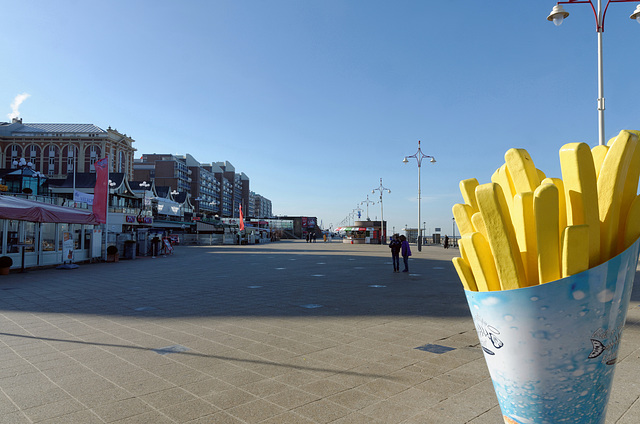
x: 121, y: 164
x: 70, y: 153
x: 33, y: 155
x: 14, y: 153
x: 91, y: 155
x: 52, y: 164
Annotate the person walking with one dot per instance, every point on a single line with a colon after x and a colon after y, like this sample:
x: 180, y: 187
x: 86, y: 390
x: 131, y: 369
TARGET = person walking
x: 395, y: 245
x: 446, y: 241
x: 406, y: 252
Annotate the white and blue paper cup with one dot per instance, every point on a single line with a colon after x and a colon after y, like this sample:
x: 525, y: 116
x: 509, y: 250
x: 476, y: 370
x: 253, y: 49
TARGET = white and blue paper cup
x: 551, y: 349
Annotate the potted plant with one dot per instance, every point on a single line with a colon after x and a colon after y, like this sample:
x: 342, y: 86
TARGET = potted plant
x: 5, y: 264
x: 112, y: 254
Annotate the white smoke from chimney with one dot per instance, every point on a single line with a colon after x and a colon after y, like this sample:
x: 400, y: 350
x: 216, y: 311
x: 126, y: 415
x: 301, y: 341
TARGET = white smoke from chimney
x: 15, y: 105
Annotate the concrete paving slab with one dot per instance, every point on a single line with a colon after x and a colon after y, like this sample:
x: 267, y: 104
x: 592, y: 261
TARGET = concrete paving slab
x: 100, y: 343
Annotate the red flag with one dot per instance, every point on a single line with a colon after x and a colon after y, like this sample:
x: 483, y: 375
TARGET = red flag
x: 101, y: 190
x: 241, y: 220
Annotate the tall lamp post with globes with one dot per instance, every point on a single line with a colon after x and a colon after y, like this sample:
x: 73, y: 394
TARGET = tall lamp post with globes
x: 381, y: 189
x: 418, y: 156
x: 367, y: 202
x: 558, y: 14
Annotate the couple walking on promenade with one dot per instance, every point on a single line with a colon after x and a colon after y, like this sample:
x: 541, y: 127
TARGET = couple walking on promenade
x: 397, y: 244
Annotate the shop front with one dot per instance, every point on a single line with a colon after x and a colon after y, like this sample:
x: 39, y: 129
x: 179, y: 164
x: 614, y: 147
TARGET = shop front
x: 356, y: 235
x: 362, y: 232
x: 37, y: 234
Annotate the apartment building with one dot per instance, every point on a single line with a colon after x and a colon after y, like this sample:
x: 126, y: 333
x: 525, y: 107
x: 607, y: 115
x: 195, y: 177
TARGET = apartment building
x: 215, y: 188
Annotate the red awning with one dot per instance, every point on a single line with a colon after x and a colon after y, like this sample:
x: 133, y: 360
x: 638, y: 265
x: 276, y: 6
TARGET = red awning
x: 28, y: 210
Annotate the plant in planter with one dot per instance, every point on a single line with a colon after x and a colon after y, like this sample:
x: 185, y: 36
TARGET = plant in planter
x: 5, y: 264
x: 112, y: 254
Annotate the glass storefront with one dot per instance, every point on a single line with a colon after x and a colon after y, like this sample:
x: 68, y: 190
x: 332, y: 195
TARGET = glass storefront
x: 43, y: 242
x: 48, y: 237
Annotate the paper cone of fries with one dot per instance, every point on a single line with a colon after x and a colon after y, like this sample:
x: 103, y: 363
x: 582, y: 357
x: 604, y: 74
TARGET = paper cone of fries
x: 551, y: 349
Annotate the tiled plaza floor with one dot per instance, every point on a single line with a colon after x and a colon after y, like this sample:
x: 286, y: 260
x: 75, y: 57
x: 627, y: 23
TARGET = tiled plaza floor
x: 281, y: 333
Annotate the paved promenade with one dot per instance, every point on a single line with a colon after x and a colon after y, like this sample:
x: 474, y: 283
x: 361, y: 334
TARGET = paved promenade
x: 288, y: 332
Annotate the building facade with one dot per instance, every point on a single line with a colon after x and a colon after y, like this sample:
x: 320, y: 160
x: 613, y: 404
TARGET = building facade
x: 260, y: 206
x: 215, y: 188
x: 55, y: 150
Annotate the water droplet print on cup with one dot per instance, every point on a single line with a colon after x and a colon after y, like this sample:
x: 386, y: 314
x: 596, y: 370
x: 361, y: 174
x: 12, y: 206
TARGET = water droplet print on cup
x: 551, y: 349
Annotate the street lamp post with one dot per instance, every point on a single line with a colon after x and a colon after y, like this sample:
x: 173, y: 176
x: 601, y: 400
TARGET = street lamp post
x: 453, y: 231
x: 356, y: 212
x: 367, y: 202
x: 558, y: 14
x: 381, y: 189
x: 418, y: 156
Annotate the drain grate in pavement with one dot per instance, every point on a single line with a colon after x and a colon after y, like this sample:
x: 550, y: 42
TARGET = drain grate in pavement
x: 438, y: 267
x: 434, y: 348
x: 311, y: 306
x: 171, y: 349
x: 145, y: 308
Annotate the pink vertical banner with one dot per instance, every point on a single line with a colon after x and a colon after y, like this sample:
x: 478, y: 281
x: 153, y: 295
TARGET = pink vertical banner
x: 101, y: 190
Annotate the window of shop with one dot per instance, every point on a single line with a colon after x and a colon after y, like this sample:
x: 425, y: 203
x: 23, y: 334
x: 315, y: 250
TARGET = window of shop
x: 87, y: 236
x: 48, y: 234
x: 29, y: 236
x: 62, y: 228
x: 13, y: 237
x: 76, y: 230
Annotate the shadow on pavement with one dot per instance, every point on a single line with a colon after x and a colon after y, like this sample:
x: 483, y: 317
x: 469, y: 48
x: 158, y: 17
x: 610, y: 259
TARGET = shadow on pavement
x: 277, y: 280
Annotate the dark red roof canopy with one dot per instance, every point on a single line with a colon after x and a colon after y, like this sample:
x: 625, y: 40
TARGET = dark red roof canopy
x: 28, y: 210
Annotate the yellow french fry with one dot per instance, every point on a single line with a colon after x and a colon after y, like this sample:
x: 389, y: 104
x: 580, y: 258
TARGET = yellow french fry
x: 465, y: 274
x: 629, y: 192
x: 545, y: 209
x: 501, y: 177
x: 575, y: 249
x: 611, y: 184
x: 478, y: 223
x: 468, y: 190
x: 632, y: 228
x: 522, y: 170
x: 598, y: 153
x: 481, y: 261
x: 524, y: 224
x: 562, y: 210
x: 501, y: 236
x: 541, y: 175
x: 463, y: 253
x: 462, y: 214
x: 581, y: 195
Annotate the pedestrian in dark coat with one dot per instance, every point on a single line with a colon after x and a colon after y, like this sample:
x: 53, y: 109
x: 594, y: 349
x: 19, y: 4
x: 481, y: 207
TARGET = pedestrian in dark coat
x: 395, y: 245
x: 406, y: 252
x: 446, y: 241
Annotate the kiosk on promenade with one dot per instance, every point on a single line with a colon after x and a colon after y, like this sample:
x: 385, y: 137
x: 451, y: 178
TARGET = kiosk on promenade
x: 362, y: 232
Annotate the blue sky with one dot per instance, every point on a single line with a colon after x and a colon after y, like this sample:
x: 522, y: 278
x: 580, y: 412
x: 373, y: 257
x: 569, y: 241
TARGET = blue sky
x: 317, y: 100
